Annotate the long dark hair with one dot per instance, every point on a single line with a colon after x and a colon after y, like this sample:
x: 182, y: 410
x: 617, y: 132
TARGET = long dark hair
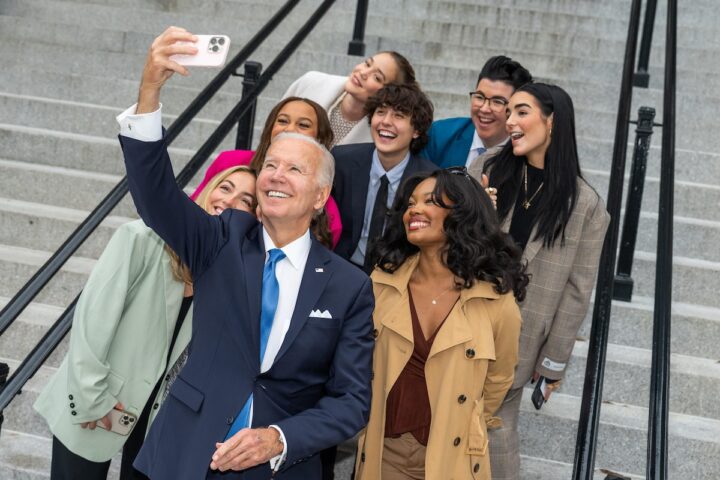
x: 562, y: 167
x: 476, y: 248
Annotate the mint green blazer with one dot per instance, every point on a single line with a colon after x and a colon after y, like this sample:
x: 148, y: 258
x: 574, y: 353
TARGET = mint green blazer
x: 123, y: 325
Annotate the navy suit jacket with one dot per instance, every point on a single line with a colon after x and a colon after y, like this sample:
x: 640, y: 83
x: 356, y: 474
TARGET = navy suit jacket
x: 450, y: 141
x: 352, y: 178
x: 318, y: 389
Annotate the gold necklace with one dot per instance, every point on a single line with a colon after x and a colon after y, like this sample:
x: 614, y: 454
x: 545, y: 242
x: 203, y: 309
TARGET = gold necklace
x: 526, y: 204
x: 434, y: 300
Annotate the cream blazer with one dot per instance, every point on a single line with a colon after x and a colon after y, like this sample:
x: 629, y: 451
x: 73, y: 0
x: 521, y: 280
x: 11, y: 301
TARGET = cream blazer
x: 325, y: 89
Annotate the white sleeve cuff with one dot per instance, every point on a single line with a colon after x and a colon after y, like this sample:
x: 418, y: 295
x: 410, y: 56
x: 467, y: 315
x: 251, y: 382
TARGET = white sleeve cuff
x: 146, y: 127
x: 276, y: 462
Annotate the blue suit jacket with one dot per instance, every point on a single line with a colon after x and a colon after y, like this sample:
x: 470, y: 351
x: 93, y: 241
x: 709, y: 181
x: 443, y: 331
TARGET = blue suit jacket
x: 450, y: 141
x: 352, y: 178
x: 318, y: 389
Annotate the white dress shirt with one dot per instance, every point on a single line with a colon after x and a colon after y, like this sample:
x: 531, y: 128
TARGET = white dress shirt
x: 376, y: 172
x: 476, y: 148
x: 147, y: 127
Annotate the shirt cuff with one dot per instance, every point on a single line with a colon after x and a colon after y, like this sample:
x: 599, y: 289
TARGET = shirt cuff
x: 145, y: 127
x: 276, y: 462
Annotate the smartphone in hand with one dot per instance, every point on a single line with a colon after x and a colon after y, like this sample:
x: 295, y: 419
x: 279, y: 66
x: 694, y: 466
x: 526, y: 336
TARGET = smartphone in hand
x: 212, y: 52
x: 121, y: 422
x: 539, y: 393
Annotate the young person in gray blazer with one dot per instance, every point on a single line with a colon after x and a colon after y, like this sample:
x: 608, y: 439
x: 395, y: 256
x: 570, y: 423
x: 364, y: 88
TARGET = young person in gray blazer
x: 369, y: 174
x: 559, y: 221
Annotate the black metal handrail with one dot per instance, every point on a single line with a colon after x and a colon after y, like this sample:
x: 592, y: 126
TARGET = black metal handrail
x: 38, y: 281
x: 657, y: 460
x: 60, y: 328
x: 586, y: 440
x: 642, y: 76
x: 623, y: 278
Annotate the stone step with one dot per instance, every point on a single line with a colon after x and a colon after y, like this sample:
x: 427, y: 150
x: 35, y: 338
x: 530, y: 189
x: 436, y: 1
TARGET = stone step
x: 99, y: 120
x: 455, y: 28
x: 424, y: 49
x: 71, y: 151
x: 622, y: 438
x: 692, y: 199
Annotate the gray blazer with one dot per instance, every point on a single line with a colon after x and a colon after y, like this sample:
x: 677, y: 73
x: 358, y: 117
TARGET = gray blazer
x: 119, y: 342
x: 561, y: 282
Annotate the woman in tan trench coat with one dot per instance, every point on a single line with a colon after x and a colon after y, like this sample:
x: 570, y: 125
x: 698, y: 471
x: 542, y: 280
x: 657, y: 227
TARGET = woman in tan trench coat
x: 446, y: 327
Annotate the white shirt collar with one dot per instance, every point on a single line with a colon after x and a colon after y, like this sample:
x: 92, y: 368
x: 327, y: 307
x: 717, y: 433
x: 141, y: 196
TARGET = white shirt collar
x: 296, y: 251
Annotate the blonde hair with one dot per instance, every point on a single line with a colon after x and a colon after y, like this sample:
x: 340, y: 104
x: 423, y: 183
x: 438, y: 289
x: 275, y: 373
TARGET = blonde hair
x: 179, y: 270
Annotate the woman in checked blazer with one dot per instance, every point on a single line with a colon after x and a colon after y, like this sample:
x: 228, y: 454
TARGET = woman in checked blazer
x: 559, y: 221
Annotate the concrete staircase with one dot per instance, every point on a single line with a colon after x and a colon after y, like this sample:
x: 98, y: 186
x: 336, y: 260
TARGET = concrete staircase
x: 69, y: 66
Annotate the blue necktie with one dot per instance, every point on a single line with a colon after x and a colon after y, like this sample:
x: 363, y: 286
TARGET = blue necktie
x: 270, y: 294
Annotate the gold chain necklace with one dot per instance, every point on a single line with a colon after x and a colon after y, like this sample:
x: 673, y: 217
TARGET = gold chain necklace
x: 434, y: 300
x: 527, y: 203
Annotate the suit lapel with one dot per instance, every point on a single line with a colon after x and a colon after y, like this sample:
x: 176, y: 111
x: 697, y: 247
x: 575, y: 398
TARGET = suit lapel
x: 359, y: 189
x: 315, y: 277
x: 253, y: 254
x: 533, y: 245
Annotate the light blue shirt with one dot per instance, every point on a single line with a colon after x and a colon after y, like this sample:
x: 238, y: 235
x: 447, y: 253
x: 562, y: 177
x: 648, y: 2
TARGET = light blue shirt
x: 394, y: 176
x: 476, y: 149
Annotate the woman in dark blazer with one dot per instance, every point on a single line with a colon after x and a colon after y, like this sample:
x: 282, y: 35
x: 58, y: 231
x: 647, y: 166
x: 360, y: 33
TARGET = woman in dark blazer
x: 559, y: 221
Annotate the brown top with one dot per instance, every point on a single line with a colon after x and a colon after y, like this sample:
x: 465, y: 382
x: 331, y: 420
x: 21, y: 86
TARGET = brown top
x: 408, y: 404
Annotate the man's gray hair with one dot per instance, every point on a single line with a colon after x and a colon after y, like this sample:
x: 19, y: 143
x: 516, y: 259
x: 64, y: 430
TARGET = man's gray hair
x: 326, y: 170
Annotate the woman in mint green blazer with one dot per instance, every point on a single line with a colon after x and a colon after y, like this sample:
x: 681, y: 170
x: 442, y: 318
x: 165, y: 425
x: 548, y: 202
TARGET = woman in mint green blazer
x: 122, y: 332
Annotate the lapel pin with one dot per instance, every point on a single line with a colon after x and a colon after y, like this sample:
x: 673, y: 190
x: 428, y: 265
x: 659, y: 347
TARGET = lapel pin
x: 319, y: 270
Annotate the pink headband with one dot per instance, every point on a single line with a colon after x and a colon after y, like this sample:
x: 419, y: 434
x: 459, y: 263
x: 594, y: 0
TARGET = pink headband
x: 227, y: 159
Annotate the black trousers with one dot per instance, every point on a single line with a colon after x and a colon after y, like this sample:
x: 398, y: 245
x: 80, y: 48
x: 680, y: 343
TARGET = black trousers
x: 66, y: 465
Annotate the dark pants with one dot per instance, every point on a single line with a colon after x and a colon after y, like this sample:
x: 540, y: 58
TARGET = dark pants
x: 67, y: 465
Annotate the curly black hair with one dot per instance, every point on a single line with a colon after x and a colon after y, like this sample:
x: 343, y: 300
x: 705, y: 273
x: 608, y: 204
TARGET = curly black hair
x: 476, y: 247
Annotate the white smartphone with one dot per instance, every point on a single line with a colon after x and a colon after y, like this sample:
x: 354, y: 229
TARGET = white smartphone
x: 212, y: 52
x: 122, y: 422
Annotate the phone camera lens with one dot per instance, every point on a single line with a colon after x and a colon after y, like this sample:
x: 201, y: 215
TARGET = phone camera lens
x: 214, y: 48
x: 221, y: 41
x: 213, y: 41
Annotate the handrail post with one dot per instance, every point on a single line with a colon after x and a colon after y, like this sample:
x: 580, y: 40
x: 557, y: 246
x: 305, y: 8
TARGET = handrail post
x: 4, y: 370
x: 623, y: 278
x: 243, y: 141
x: 357, y: 44
x: 586, y: 440
x: 642, y: 76
x: 657, y: 448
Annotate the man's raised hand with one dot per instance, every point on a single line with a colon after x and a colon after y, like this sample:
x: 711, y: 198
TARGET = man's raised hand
x: 159, y: 67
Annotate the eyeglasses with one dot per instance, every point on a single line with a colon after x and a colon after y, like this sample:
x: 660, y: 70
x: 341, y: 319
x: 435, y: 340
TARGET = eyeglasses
x: 497, y: 104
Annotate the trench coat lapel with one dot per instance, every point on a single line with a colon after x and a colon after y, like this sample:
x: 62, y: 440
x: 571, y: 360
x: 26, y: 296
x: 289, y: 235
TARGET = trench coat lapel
x: 173, y: 298
x: 253, y: 254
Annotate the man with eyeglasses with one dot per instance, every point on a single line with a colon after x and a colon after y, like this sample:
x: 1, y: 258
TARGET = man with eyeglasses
x: 461, y: 140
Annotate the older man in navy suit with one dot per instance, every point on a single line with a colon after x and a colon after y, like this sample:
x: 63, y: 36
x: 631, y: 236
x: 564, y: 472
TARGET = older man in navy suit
x: 280, y: 359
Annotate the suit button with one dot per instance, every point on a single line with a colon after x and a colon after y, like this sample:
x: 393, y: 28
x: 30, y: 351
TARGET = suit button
x: 156, y: 406
x: 73, y: 413
x: 72, y: 405
x: 462, y: 398
x: 362, y: 457
x: 456, y: 442
x: 375, y: 333
x: 469, y: 353
x: 230, y: 420
x: 70, y: 397
x: 476, y: 468
x: 167, y: 377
